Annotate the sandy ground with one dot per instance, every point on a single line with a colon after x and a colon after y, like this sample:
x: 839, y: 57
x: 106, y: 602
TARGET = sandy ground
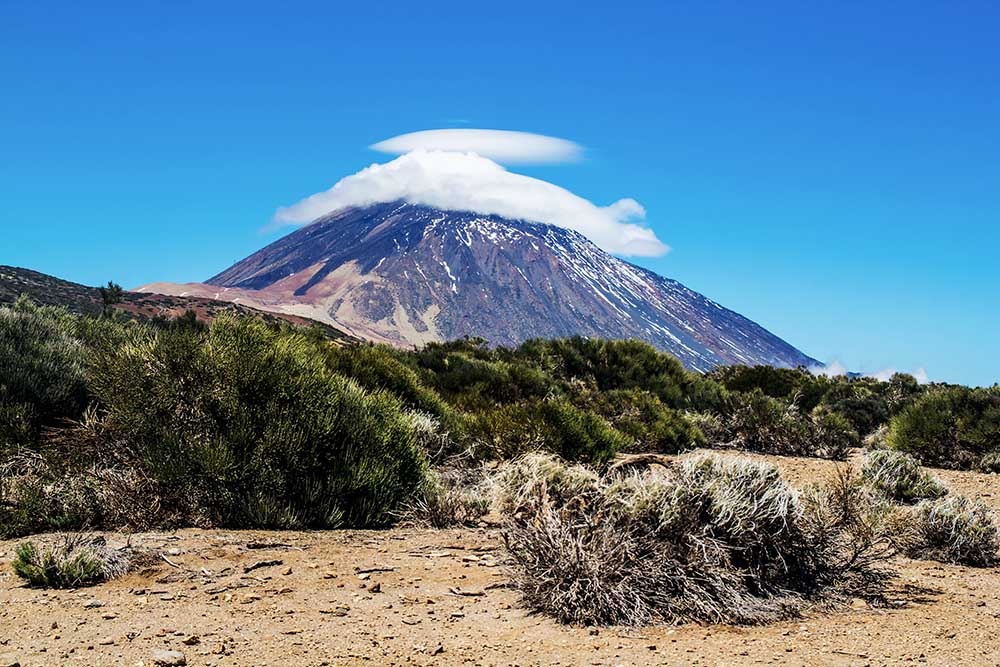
x: 424, y: 597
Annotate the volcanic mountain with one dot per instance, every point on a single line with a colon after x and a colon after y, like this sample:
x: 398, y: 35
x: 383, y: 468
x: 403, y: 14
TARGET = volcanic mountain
x: 409, y: 274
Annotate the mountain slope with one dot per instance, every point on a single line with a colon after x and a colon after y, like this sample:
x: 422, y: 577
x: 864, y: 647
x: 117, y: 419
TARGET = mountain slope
x: 410, y: 274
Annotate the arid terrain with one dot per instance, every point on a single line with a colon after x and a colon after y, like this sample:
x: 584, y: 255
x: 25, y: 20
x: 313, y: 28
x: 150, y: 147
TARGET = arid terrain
x: 437, y: 597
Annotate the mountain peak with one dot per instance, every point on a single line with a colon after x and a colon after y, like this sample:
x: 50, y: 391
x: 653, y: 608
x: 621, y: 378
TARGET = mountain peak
x: 409, y: 274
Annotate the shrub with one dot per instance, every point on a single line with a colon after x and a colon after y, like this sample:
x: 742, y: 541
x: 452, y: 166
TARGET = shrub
x: 622, y: 364
x: 900, y: 477
x: 471, y: 377
x: 553, y: 425
x: 711, y: 539
x: 77, y: 561
x: 950, y: 428
x: 456, y: 497
x: 832, y: 435
x: 41, y: 367
x: 641, y: 416
x: 377, y: 367
x: 955, y: 530
x: 758, y: 423
x: 248, y: 421
x: 990, y: 462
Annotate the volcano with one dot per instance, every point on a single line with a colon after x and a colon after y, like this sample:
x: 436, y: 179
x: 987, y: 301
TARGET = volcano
x: 409, y: 274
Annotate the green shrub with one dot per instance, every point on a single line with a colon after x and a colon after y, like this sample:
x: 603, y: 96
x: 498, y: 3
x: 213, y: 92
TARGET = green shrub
x: 41, y: 366
x: 377, y: 367
x: 77, y: 561
x: 832, y: 435
x: 553, y: 425
x: 641, y: 416
x: 622, y: 364
x: 247, y: 420
x: 955, y: 530
x: 471, y: 377
x: 16, y: 426
x: 758, y: 423
x: 900, y: 477
x: 950, y: 428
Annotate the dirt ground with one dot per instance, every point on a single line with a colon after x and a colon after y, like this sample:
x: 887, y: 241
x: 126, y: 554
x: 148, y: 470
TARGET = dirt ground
x: 425, y: 597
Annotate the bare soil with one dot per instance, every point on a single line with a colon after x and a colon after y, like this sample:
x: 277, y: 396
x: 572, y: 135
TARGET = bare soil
x: 425, y: 597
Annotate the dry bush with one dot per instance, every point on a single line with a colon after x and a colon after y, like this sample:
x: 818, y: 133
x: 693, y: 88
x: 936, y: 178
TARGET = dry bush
x: 710, y: 539
x: 77, y: 560
x: 900, y: 477
x: 458, y: 496
x: 519, y: 483
x: 954, y: 530
x: 38, y: 493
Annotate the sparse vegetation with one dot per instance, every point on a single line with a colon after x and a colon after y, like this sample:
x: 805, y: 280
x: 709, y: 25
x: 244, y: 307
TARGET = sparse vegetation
x: 107, y: 422
x: 711, y: 539
x: 955, y: 530
x: 76, y: 561
x: 900, y: 477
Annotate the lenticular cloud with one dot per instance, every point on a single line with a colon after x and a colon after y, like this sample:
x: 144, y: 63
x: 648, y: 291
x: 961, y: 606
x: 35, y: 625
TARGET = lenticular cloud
x: 469, y: 182
x: 504, y: 146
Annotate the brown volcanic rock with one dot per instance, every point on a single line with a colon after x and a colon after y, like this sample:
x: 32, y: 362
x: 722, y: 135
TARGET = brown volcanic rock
x: 409, y: 274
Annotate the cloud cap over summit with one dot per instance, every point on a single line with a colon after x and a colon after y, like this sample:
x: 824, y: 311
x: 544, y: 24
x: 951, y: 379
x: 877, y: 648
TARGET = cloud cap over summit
x: 460, y: 181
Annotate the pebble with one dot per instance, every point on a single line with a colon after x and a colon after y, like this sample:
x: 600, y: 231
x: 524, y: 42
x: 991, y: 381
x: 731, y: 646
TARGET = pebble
x: 9, y: 661
x: 168, y: 658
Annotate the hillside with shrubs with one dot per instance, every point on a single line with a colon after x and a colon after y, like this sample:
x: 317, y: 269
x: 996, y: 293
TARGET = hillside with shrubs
x: 111, y: 423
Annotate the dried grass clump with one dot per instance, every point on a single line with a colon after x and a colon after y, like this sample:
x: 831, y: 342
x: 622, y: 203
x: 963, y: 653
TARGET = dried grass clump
x: 78, y: 560
x: 955, y: 530
x: 710, y: 539
x: 39, y: 493
x: 522, y: 481
x: 900, y: 477
x: 449, y: 498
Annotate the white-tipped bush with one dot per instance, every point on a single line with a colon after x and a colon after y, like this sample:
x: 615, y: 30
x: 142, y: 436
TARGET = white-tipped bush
x: 78, y: 560
x: 955, y: 530
x: 708, y: 539
x: 522, y: 481
x: 900, y: 477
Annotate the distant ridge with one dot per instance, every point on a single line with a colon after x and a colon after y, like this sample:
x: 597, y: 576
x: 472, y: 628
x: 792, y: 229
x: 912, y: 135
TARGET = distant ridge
x: 51, y: 291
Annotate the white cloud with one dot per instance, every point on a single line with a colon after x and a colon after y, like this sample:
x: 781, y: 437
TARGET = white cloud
x: 832, y: 369
x: 469, y: 182
x: 835, y: 369
x: 504, y: 146
x: 886, y: 373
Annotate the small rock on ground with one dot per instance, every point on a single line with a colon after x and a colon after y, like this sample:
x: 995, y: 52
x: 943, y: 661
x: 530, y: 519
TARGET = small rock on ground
x: 168, y: 658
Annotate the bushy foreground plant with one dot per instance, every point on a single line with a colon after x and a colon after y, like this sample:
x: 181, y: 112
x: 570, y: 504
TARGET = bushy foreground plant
x: 76, y: 561
x: 954, y: 530
x: 900, y: 477
x: 711, y: 539
x: 247, y: 422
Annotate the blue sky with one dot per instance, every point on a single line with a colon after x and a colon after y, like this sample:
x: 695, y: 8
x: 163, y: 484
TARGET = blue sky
x: 831, y: 170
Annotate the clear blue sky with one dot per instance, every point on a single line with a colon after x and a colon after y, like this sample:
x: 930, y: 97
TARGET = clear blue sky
x: 829, y: 169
